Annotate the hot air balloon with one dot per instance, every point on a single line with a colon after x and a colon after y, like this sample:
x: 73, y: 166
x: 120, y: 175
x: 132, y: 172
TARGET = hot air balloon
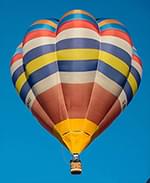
x: 76, y: 75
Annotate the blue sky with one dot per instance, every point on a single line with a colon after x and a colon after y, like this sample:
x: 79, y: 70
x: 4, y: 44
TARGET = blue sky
x: 28, y: 154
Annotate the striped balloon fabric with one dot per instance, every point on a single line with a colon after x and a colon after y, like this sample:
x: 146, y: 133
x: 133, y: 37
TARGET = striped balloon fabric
x: 76, y: 75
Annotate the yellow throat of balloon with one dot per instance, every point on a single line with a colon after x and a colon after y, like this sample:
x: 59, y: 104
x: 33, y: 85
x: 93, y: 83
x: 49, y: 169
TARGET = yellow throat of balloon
x: 75, y: 133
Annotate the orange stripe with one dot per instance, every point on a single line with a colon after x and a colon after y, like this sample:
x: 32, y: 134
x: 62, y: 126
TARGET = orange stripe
x: 116, y: 33
x: 77, y: 12
x: 38, y: 33
x: 109, y: 21
x: 16, y: 58
x: 137, y: 59
x: 77, y: 24
x: 45, y: 22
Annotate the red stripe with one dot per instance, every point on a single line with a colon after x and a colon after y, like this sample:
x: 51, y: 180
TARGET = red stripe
x: 38, y: 33
x: 137, y: 59
x: 41, y: 116
x: 100, y: 103
x: 77, y: 24
x: 117, y: 33
x: 109, y: 118
x: 16, y: 58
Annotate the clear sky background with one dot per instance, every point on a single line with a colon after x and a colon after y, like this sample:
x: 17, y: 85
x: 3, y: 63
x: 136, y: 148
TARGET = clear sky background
x: 28, y: 154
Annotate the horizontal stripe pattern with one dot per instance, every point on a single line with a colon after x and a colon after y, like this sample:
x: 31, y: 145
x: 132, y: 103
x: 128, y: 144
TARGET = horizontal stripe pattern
x: 15, y: 66
x: 77, y: 17
x: 113, y: 26
x: 37, y: 42
x: 78, y: 63
x: 41, y: 27
x: 39, y: 51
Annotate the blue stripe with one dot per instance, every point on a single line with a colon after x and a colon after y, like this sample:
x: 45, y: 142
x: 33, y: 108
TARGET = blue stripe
x: 135, y: 52
x: 90, y: 43
x: 77, y: 43
x: 116, y: 51
x: 18, y: 50
x: 41, y: 27
x: 38, y: 51
x: 111, y: 73
x: 113, y: 26
x: 128, y: 91
x: 136, y: 75
x: 64, y: 66
x: 77, y: 66
x: 77, y: 17
x: 24, y: 91
x: 17, y: 73
x: 42, y: 73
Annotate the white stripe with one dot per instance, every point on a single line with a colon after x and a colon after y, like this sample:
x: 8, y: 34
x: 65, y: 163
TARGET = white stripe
x: 41, y: 41
x: 53, y: 80
x: 77, y: 77
x: 137, y: 67
x: 46, y: 84
x: 15, y: 66
x: 63, y: 77
x: 117, y: 42
x: 108, y: 84
x: 122, y: 99
x: 30, y: 98
x: 77, y: 33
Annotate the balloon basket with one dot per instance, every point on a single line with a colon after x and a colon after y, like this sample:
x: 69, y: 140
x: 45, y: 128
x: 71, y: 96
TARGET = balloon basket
x: 75, y: 165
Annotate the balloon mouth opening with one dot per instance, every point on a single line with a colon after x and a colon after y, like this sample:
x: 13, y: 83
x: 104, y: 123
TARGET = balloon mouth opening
x: 75, y: 164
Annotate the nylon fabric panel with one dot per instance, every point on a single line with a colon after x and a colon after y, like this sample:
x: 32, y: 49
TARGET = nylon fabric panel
x: 77, y: 73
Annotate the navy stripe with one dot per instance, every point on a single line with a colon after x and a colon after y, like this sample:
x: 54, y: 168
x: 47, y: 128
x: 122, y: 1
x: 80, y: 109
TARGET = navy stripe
x: 17, y: 73
x: 64, y: 66
x: 91, y: 43
x: 116, y: 51
x: 24, y: 91
x: 128, y: 91
x: 136, y: 75
x: 111, y: 73
x: 77, y: 66
x: 38, y: 51
x: 42, y: 73
x: 77, y: 43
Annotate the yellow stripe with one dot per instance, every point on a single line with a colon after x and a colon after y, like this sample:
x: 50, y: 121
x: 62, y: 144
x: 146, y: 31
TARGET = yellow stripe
x: 109, y: 21
x: 133, y: 83
x: 76, y: 133
x: 40, y: 62
x: 78, y: 54
x: 20, y: 82
x: 114, y: 62
x: 45, y: 22
x: 89, y: 54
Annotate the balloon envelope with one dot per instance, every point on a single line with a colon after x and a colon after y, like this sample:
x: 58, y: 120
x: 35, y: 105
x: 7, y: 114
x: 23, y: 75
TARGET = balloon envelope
x: 76, y: 75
